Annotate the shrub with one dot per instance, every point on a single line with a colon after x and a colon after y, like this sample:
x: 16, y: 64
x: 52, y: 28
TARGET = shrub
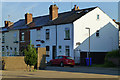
x: 112, y: 54
x: 30, y: 55
x: 109, y: 64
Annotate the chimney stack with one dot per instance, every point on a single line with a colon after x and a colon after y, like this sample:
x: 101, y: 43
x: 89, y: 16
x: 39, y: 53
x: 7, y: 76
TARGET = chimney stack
x: 114, y: 20
x: 8, y: 23
x: 53, y: 12
x: 78, y: 7
x: 75, y: 8
x: 28, y: 18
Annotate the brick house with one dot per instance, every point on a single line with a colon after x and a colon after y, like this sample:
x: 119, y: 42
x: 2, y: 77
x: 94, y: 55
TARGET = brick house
x: 16, y: 37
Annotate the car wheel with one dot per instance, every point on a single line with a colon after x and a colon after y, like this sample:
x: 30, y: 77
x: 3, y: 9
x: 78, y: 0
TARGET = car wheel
x: 61, y: 64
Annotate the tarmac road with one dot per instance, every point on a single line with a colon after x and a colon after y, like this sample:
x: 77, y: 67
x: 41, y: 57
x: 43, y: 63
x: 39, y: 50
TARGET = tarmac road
x: 64, y: 72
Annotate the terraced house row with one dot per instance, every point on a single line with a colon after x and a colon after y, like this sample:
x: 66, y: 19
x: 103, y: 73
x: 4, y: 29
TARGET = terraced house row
x: 64, y: 33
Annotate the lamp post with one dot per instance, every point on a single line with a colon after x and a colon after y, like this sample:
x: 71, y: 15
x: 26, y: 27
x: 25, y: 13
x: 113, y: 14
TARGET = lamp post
x: 89, y: 42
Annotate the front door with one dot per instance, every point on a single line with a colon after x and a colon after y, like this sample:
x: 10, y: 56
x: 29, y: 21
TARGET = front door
x: 54, y: 52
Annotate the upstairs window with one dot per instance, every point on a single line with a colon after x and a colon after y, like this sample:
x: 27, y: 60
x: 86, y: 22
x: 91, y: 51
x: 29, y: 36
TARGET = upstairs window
x: 47, y: 34
x: 15, y: 36
x: 38, y: 34
x: 22, y: 36
x: 67, y: 34
x: 98, y: 16
x: 97, y: 33
x: 3, y: 37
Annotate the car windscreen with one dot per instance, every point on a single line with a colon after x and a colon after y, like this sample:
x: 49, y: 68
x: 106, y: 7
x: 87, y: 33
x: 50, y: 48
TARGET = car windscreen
x: 69, y: 58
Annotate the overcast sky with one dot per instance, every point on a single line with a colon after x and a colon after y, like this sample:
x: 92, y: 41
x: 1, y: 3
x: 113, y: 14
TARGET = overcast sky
x: 13, y: 11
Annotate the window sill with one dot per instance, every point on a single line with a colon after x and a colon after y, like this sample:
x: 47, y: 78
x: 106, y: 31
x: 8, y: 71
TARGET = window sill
x: 47, y: 55
x: 98, y: 36
x: 97, y: 19
x: 67, y: 39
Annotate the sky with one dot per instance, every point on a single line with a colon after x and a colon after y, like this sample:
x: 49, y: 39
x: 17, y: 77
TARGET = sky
x: 13, y: 11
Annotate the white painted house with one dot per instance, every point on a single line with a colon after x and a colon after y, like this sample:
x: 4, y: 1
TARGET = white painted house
x: 66, y: 33
x: 9, y: 45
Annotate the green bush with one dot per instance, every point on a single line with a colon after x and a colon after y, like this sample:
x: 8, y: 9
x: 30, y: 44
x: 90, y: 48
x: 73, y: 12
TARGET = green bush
x: 109, y: 64
x: 30, y: 55
x: 112, y: 54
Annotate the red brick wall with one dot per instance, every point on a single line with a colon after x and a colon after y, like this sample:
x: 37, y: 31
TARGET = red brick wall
x: 26, y: 42
x: 53, y: 11
x: 28, y: 18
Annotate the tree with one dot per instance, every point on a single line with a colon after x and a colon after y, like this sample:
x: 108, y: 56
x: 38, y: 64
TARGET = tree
x: 30, y: 55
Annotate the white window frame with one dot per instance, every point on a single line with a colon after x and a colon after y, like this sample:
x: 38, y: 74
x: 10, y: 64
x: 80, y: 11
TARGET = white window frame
x: 67, y: 36
x: 47, y: 33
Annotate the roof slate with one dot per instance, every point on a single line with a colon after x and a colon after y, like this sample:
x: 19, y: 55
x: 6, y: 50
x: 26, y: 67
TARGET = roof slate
x: 63, y: 18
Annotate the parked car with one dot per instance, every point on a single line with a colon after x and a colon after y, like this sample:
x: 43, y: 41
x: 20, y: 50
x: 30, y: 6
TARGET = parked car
x: 62, y: 61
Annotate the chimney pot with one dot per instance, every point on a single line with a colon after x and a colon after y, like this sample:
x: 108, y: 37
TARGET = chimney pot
x: 75, y: 8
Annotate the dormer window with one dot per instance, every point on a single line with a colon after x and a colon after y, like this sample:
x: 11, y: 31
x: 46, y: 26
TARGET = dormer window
x: 97, y: 33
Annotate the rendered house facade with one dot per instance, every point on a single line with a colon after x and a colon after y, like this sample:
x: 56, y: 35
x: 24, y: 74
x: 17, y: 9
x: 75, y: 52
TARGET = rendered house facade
x: 10, y: 45
x: 68, y: 36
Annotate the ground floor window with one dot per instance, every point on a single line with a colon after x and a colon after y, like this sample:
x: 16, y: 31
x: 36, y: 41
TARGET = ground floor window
x: 47, y: 50
x: 67, y: 50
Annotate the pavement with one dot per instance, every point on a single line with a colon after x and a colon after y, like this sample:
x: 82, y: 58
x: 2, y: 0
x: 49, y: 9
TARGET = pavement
x: 64, y: 72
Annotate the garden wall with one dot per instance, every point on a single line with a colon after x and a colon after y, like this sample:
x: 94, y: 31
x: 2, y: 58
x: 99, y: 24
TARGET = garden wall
x: 14, y: 63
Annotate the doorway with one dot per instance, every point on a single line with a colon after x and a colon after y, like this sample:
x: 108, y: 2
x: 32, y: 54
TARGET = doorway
x: 54, y: 52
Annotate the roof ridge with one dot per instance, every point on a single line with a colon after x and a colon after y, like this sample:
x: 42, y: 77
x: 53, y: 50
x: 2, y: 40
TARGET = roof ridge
x: 65, y: 12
